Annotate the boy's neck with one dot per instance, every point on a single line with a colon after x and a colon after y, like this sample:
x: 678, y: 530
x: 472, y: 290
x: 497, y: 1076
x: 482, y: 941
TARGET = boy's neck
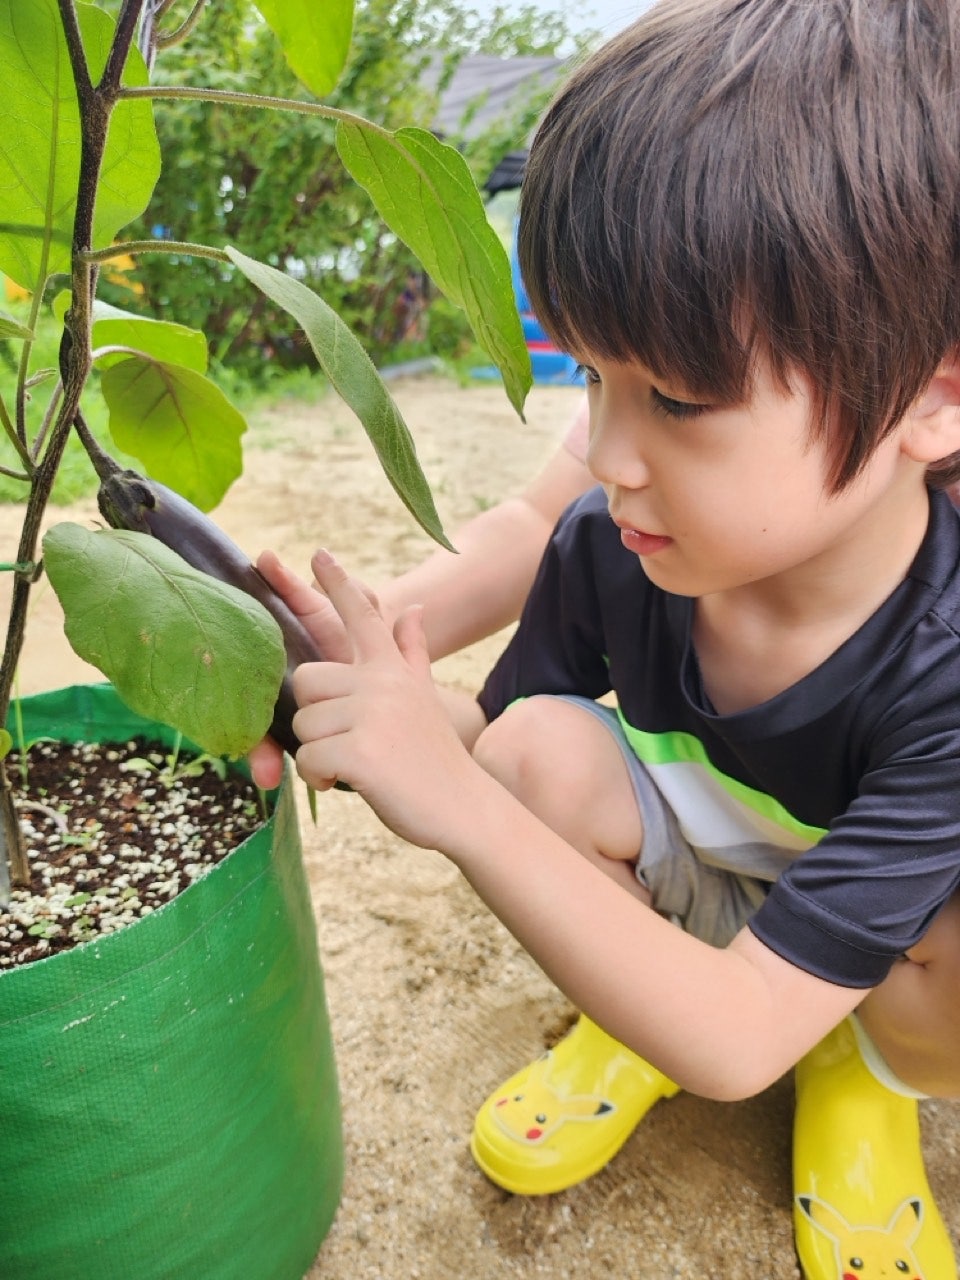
x: 755, y: 641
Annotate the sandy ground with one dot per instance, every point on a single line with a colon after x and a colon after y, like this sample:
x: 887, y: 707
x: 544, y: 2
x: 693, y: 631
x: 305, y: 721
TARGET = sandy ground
x: 432, y: 1003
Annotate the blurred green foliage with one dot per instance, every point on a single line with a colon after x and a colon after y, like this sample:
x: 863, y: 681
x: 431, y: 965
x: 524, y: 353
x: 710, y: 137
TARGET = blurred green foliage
x: 272, y: 182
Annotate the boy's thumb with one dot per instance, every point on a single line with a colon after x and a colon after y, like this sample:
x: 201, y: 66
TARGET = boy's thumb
x: 411, y: 639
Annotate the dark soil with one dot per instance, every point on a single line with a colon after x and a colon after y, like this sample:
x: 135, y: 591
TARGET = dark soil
x: 113, y: 833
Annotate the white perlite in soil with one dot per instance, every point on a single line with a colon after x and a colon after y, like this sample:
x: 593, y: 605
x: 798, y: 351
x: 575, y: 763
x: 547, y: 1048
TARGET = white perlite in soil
x: 112, y: 834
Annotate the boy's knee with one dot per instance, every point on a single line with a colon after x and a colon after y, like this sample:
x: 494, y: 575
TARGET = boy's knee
x: 563, y: 762
x: 548, y: 746
x: 512, y: 748
x: 914, y: 1015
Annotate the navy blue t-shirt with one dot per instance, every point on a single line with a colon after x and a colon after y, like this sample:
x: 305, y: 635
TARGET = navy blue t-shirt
x: 843, y: 790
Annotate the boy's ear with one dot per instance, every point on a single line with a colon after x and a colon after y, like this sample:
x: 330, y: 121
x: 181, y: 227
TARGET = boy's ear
x: 933, y: 420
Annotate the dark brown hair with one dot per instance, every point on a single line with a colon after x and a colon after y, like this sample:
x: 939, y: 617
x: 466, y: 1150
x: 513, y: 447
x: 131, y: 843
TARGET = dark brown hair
x: 730, y: 179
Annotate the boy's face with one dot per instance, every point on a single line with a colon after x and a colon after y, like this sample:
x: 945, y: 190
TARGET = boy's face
x: 712, y: 499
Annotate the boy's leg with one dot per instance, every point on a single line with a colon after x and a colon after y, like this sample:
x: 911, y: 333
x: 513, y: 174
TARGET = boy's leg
x: 562, y: 760
x: 913, y: 1017
x: 566, y: 1115
x: 860, y: 1185
x: 859, y: 1177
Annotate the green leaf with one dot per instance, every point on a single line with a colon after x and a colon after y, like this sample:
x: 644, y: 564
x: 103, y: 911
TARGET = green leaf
x: 6, y: 743
x: 425, y: 193
x: 315, y: 38
x: 179, y: 646
x: 352, y: 373
x: 162, y: 339
x: 178, y: 424
x: 10, y: 328
x: 40, y: 151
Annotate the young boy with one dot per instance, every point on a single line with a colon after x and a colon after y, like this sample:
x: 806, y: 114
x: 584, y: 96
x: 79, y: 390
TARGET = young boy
x: 742, y: 217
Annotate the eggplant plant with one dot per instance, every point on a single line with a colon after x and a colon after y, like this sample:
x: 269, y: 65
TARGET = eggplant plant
x: 159, y: 600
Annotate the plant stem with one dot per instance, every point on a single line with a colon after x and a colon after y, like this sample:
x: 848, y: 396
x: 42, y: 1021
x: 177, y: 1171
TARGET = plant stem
x: 11, y: 433
x: 166, y: 39
x: 132, y: 247
x: 147, y: 38
x: 103, y: 464
x: 197, y: 93
x: 47, y: 419
x: 57, y: 818
x: 20, y: 434
x: 96, y: 103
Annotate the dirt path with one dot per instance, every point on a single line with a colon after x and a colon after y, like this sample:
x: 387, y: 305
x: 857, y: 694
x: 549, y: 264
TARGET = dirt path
x: 432, y: 1003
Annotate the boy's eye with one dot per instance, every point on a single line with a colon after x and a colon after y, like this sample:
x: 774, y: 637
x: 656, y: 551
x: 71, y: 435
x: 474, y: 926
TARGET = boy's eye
x: 675, y: 408
x: 663, y: 404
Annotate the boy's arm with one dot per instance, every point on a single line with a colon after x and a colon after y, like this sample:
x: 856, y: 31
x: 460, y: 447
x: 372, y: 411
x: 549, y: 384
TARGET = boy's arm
x: 482, y: 588
x: 465, y: 712
x: 723, y: 1023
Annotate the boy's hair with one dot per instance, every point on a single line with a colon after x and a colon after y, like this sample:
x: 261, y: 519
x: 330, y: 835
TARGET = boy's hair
x: 730, y: 179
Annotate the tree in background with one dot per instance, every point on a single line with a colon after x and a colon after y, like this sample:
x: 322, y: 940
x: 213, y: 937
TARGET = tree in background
x: 274, y: 183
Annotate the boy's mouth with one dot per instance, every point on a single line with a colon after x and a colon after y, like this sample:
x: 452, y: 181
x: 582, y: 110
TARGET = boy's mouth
x: 640, y: 542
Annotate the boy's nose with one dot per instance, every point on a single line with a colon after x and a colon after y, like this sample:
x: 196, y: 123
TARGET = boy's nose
x: 614, y: 451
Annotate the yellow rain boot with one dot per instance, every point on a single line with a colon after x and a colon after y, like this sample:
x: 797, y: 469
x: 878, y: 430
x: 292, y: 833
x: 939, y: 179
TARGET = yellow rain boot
x: 562, y: 1118
x: 862, y: 1203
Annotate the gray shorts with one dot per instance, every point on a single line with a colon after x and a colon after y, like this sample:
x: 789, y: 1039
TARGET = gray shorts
x: 712, y: 903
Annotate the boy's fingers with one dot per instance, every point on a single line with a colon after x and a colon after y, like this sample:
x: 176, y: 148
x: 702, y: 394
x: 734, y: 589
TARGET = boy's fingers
x: 311, y: 764
x: 411, y: 639
x: 367, y: 629
x: 271, y: 567
x: 367, y: 591
x: 320, y: 682
x: 299, y: 595
x: 316, y: 682
x: 266, y: 764
x: 310, y: 605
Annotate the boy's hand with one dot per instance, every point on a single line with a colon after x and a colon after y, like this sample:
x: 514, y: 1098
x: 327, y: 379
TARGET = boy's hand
x: 311, y: 606
x: 375, y: 720
x: 323, y: 622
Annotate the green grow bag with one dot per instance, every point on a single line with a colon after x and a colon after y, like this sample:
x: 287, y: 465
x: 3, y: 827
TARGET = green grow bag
x: 168, y: 1094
